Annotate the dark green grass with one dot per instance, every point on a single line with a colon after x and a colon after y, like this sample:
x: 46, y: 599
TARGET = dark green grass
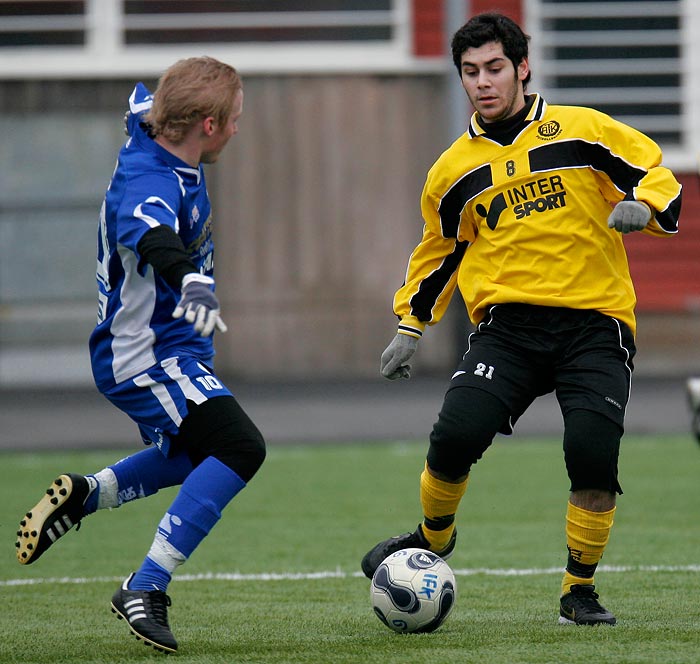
x: 317, y: 509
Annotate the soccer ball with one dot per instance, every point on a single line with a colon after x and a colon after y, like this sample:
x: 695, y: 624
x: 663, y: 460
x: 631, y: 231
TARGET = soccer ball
x: 413, y: 590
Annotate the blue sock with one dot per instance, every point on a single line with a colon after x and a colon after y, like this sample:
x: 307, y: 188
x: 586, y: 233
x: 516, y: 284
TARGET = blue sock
x: 143, y: 474
x: 151, y: 576
x: 90, y: 504
x: 194, y: 512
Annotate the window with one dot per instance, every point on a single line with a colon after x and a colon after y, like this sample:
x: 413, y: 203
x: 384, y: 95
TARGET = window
x: 57, y: 23
x: 626, y: 58
x: 244, y: 21
x: 123, y: 38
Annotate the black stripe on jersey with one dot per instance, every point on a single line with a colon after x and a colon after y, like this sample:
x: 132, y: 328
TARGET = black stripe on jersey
x: 452, y: 203
x: 424, y: 300
x: 582, y: 154
x: 473, y: 127
x: 539, y: 111
x: 668, y: 218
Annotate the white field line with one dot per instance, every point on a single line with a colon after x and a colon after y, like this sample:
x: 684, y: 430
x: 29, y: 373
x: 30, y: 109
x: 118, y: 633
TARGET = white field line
x: 339, y: 574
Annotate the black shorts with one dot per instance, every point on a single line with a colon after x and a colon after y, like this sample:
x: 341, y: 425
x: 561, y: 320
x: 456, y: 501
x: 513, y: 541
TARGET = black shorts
x: 519, y: 352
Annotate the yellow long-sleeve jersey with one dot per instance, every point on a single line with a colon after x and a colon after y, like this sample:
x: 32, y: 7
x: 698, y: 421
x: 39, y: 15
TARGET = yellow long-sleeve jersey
x: 527, y: 222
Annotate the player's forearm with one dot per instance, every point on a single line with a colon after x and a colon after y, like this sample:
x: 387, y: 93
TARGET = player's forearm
x: 660, y: 190
x: 431, y: 280
x: 163, y: 250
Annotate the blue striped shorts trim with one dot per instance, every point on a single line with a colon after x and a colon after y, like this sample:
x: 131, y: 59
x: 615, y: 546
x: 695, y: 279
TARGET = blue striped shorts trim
x: 157, y: 398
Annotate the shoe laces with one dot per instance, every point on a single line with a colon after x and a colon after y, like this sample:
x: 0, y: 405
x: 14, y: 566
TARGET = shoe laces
x: 586, y: 597
x: 158, y: 604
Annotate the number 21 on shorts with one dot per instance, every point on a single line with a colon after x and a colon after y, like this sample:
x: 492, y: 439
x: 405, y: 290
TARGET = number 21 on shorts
x: 484, y: 371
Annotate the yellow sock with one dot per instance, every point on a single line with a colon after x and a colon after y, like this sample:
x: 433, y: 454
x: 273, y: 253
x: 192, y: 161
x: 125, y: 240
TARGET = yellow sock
x: 440, y: 501
x: 587, y: 534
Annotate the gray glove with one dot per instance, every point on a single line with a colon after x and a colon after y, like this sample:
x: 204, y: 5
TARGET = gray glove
x: 199, y: 305
x: 628, y: 216
x: 394, y: 358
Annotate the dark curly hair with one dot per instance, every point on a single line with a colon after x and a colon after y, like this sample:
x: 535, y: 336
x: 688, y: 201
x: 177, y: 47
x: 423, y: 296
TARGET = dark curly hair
x: 491, y: 27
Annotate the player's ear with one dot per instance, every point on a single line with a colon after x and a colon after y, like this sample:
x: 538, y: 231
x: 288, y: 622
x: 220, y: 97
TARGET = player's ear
x: 523, y: 69
x: 208, y: 125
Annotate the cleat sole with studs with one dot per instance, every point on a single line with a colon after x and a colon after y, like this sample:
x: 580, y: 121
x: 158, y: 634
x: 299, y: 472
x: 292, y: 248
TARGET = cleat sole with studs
x: 138, y: 637
x: 33, y: 521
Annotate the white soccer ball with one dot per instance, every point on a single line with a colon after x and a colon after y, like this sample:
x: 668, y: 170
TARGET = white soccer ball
x: 413, y: 590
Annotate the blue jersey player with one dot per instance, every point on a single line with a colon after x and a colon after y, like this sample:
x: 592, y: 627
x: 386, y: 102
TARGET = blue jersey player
x: 152, y: 348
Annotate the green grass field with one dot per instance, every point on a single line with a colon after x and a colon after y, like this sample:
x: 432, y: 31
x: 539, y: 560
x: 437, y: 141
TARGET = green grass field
x: 278, y: 579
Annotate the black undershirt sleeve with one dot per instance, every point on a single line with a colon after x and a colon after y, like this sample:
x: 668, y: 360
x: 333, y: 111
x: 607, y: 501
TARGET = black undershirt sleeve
x: 162, y: 248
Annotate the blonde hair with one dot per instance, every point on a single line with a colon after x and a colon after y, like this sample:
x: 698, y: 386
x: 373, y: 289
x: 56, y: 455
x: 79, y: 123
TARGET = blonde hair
x: 189, y: 91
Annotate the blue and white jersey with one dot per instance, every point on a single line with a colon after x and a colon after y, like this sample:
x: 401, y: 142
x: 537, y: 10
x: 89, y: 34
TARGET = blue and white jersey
x: 150, y: 187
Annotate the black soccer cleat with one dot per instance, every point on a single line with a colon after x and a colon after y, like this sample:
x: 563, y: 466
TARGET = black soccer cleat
x: 580, y: 606
x: 52, y: 517
x: 374, y: 557
x: 146, y: 612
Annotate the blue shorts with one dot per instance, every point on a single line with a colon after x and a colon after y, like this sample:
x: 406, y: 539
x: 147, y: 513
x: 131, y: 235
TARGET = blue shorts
x: 157, y: 398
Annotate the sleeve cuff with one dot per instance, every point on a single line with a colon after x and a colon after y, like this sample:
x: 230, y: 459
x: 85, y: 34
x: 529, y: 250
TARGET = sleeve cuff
x: 196, y: 276
x: 411, y: 327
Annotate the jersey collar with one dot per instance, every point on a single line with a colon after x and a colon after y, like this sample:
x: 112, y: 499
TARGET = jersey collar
x: 537, y: 111
x: 141, y: 136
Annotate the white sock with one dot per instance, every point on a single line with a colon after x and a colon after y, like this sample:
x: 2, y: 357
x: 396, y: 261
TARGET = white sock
x: 108, y: 488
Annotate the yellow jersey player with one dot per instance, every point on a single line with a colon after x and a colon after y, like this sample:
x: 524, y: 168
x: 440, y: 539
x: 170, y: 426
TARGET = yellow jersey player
x: 525, y: 213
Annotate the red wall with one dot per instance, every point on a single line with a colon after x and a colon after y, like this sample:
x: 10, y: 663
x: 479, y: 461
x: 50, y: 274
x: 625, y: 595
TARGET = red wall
x: 428, y: 19
x: 429, y: 16
x: 511, y: 8
x: 666, y: 271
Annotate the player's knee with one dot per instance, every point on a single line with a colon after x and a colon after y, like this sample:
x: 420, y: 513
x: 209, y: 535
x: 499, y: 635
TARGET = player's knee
x: 468, y: 421
x: 452, y: 451
x: 242, y: 451
x: 591, y: 450
x: 220, y: 428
